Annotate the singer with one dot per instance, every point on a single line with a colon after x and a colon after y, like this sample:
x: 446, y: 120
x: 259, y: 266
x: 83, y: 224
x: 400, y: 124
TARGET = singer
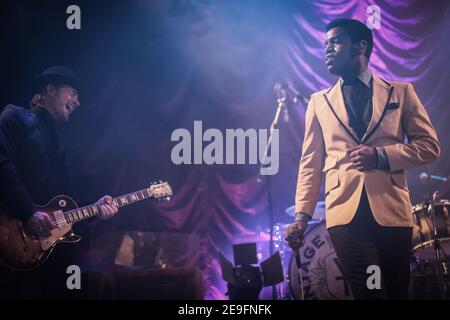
x: 354, y: 135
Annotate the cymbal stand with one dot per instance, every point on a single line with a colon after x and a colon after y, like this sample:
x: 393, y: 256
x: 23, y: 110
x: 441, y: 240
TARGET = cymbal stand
x: 441, y: 265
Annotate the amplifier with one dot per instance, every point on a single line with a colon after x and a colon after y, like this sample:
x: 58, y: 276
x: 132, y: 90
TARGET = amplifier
x: 159, y: 284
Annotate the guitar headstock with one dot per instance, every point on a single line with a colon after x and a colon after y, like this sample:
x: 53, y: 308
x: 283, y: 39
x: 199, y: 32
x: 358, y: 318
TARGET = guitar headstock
x: 160, y: 190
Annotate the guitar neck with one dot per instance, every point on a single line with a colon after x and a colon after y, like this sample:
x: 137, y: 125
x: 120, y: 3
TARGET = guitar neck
x: 93, y: 210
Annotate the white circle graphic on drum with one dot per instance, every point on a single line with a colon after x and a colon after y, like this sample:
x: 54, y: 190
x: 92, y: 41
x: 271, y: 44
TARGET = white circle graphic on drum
x: 321, y: 270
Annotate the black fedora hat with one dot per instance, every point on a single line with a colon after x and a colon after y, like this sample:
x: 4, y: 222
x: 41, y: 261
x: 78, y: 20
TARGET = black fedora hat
x: 56, y: 75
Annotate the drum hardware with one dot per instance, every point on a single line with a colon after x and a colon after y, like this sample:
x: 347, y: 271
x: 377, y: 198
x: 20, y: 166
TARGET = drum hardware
x: 424, y: 282
x: 439, y: 235
x: 424, y: 233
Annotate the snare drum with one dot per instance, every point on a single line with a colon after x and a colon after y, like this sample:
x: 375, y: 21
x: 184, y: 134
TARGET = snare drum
x: 423, y: 232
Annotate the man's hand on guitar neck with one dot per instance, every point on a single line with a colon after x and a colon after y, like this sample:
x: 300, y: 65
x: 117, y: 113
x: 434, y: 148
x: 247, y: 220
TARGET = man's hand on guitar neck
x: 107, y: 209
x: 40, y: 224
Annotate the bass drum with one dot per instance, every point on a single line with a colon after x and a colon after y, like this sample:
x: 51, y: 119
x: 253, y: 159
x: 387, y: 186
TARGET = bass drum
x: 321, y: 270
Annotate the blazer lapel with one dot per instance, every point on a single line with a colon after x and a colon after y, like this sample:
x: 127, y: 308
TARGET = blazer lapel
x: 381, y: 95
x: 50, y: 152
x: 335, y: 101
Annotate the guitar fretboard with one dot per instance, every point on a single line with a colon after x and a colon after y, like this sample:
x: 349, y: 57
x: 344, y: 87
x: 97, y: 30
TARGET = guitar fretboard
x: 92, y: 210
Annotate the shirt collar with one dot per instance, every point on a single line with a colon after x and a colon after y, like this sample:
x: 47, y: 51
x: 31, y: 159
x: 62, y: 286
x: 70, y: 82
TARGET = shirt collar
x: 45, y: 117
x: 365, y: 77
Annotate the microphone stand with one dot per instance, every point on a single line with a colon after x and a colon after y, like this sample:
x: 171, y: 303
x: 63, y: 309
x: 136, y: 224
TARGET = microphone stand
x: 281, y: 103
x: 437, y: 244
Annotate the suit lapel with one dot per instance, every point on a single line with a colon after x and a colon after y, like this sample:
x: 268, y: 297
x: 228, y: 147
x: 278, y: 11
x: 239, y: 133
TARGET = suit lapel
x: 381, y: 96
x: 335, y: 101
x: 50, y: 152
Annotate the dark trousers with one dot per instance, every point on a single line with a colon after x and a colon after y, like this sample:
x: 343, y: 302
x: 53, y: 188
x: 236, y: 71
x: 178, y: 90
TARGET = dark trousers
x: 363, y: 242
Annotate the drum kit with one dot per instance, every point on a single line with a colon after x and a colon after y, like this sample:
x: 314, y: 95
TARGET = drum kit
x: 322, y: 276
x: 430, y: 248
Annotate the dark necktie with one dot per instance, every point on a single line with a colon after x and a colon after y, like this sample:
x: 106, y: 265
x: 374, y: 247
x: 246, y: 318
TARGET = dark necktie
x: 358, y: 102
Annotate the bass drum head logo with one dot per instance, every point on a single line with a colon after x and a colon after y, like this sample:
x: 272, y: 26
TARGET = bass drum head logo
x: 321, y: 270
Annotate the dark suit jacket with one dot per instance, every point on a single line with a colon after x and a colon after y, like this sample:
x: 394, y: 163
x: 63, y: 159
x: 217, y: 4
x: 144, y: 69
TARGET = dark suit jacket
x: 33, y: 164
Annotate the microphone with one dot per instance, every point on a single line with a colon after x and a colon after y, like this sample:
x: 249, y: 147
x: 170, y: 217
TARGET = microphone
x: 285, y: 114
x: 281, y: 95
x: 298, y: 262
x: 296, y: 95
x: 425, y: 176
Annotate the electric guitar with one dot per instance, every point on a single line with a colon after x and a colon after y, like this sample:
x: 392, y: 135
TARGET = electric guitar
x: 21, y: 251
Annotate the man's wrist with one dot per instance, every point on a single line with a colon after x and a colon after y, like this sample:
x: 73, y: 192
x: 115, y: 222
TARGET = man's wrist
x: 301, y: 216
x: 382, y: 159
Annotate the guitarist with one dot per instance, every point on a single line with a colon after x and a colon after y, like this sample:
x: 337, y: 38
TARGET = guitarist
x: 33, y: 163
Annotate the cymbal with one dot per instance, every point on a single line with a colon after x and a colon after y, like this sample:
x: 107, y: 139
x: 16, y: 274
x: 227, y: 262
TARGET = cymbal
x: 319, y: 211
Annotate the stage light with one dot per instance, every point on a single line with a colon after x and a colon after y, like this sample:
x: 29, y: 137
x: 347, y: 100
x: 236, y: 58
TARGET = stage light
x: 245, y: 280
